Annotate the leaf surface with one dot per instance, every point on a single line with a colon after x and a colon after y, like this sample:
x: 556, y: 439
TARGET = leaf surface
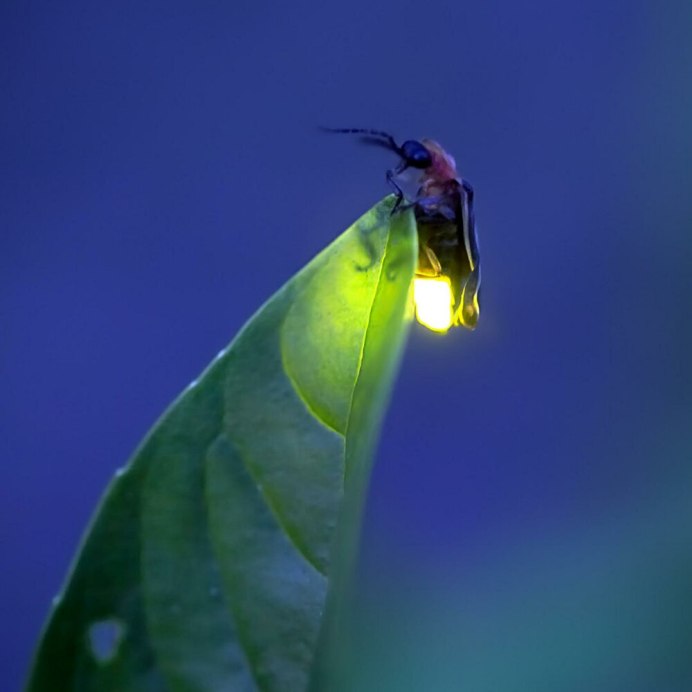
x: 221, y: 556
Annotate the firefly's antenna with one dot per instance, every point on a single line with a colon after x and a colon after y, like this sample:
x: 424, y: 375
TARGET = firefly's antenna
x: 413, y: 154
x: 383, y: 139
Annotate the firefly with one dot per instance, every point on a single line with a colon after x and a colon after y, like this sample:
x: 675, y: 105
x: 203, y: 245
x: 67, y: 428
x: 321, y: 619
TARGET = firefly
x: 448, y: 275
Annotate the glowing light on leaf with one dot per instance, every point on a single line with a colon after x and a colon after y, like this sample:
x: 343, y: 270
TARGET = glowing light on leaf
x: 433, y: 300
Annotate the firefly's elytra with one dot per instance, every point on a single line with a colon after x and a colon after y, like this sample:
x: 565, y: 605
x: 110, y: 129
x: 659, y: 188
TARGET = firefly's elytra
x: 448, y: 276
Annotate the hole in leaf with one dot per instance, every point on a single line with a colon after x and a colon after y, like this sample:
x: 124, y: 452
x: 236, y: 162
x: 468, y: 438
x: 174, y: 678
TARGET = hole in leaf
x: 104, y: 639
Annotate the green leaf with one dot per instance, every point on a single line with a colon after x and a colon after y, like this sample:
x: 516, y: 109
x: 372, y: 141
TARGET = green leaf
x: 208, y: 564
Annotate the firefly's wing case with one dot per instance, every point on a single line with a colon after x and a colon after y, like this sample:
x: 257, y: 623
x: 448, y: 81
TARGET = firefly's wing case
x: 469, y: 306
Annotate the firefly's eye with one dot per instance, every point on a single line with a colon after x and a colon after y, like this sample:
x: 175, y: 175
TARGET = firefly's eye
x: 415, y: 154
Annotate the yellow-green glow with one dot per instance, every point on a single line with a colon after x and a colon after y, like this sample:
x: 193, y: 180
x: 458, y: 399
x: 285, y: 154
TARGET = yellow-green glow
x: 433, y: 300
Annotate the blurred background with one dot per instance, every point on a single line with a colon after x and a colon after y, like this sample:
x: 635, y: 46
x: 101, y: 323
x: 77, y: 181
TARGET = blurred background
x: 530, y: 515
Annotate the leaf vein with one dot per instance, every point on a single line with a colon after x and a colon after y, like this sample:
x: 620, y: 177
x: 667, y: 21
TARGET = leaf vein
x: 311, y: 409
x: 279, y: 518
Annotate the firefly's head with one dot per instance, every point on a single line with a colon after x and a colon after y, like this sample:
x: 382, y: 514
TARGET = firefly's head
x: 415, y: 154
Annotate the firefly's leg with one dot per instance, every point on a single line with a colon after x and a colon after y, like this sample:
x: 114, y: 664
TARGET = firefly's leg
x: 399, y: 192
x: 428, y: 264
x: 434, y: 205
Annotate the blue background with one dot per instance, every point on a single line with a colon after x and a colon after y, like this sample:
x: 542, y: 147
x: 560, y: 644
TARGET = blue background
x: 530, y: 516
